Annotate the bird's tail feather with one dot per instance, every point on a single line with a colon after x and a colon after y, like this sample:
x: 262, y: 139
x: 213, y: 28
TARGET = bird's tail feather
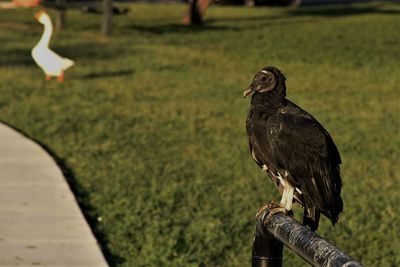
x: 67, y: 63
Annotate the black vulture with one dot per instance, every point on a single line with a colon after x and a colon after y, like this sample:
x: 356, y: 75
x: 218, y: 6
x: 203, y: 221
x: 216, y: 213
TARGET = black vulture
x: 293, y: 147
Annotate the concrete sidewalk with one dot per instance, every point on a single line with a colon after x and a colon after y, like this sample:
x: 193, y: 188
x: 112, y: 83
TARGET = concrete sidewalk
x: 40, y: 221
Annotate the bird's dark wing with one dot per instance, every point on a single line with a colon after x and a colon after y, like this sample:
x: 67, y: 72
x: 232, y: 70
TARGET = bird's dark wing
x: 302, y: 147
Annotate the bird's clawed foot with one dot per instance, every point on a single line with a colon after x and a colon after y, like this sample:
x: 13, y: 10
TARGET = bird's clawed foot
x: 270, y: 210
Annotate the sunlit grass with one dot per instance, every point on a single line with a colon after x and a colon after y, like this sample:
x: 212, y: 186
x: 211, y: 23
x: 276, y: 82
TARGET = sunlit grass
x: 149, y: 124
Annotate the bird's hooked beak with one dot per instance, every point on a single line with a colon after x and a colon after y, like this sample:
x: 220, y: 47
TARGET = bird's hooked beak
x: 248, y: 91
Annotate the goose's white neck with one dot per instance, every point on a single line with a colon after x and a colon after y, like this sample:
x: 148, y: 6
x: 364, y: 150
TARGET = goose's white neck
x: 45, y: 39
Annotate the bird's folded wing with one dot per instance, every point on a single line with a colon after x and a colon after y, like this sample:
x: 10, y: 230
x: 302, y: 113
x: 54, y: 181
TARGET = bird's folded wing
x: 305, y: 150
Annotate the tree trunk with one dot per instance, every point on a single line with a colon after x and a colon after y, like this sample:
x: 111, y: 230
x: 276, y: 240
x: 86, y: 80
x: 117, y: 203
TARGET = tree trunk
x: 107, y: 17
x: 61, y: 16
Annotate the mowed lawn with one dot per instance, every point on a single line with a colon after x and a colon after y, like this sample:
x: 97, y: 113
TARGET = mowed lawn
x: 149, y: 125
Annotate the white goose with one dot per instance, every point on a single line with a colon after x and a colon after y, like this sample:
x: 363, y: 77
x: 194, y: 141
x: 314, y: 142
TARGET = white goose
x: 51, y: 63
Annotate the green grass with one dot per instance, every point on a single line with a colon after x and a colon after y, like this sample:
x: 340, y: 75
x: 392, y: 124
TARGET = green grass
x: 149, y: 125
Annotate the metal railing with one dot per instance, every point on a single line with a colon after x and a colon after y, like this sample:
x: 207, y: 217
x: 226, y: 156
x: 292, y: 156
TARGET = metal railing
x: 274, y: 231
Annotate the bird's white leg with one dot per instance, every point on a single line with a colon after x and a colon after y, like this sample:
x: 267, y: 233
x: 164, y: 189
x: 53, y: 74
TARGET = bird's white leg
x: 283, y: 199
x: 285, y: 206
x: 281, y: 180
x: 287, y: 197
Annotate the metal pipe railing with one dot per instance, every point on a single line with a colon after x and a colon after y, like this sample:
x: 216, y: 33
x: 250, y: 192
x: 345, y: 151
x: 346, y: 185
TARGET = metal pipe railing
x: 267, y: 251
x: 280, y: 229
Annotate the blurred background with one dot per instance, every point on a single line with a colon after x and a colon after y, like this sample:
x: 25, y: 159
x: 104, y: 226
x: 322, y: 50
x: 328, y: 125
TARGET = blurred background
x: 149, y: 125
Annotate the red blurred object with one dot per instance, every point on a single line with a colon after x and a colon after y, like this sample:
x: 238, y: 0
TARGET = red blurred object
x: 26, y: 3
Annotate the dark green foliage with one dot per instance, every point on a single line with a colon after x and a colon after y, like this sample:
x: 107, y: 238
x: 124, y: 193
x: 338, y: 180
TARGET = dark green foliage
x: 151, y: 123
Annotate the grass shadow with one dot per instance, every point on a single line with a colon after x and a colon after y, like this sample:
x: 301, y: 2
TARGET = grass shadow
x: 263, y: 21
x: 81, y: 195
x: 107, y: 74
x: 90, y: 50
x: 323, y: 10
x: 336, y: 10
x: 179, y: 28
x: 244, y: 19
x: 16, y: 57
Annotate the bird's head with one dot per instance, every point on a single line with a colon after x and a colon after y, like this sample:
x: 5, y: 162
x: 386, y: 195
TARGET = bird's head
x: 269, y: 80
x: 42, y: 17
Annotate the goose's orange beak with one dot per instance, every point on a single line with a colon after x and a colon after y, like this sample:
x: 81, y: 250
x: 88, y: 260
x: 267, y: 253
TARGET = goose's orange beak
x: 38, y: 14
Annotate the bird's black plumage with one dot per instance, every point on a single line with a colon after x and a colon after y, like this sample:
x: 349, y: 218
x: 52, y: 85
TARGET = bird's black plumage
x: 294, y: 146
